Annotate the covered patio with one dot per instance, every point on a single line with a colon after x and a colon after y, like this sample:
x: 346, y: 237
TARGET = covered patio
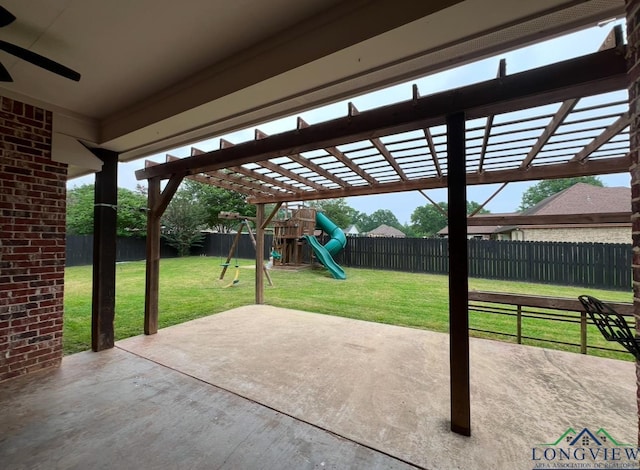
x: 263, y: 387
x: 260, y: 387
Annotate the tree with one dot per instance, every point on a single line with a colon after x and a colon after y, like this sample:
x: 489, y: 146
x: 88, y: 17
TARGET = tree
x: 214, y: 200
x: 80, y: 202
x: 337, y: 210
x: 546, y: 188
x: 362, y: 220
x: 427, y: 220
x: 381, y: 217
x: 183, y: 221
x: 473, y: 205
x: 409, y: 231
x: 132, y: 219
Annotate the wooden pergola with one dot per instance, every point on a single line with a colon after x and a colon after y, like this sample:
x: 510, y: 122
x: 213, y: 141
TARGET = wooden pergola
x: 562, y: 120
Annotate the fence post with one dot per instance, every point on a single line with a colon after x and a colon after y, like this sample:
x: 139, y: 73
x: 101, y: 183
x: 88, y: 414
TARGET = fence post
x: 519, y: 324
x: 583, y: 332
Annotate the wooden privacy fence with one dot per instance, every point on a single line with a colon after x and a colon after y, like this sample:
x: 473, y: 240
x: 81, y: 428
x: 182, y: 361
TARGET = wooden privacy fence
x: 536, y: 313
x: 80, y: 248
x: 597, y: 265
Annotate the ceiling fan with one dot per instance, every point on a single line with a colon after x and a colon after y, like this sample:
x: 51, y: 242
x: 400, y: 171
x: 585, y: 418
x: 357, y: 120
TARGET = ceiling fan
x: 6, y: 18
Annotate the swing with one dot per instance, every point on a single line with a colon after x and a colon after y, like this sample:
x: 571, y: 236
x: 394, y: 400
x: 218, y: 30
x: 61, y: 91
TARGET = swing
x: 236, y: 277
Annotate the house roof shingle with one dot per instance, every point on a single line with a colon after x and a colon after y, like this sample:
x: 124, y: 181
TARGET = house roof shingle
x: 582, y: 198
x: 385, y: 231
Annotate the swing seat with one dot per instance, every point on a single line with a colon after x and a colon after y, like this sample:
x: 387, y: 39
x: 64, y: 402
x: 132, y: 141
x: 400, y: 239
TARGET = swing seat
x: 224, y: 264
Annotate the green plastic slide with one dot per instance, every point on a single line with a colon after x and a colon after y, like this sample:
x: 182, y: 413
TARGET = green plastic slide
x: 335, y: 245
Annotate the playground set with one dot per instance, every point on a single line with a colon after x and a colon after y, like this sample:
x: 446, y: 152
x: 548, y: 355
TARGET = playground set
x: 292, y: 235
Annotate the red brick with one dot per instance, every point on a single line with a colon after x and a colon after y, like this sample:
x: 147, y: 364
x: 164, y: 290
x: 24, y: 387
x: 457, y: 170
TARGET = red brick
x: 32, y: 234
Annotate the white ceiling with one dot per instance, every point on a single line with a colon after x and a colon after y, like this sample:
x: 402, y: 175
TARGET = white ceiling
x: 161, y: 73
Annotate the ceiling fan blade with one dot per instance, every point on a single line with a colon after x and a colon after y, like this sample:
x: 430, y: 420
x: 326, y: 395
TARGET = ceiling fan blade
x: 6, y: 18
x: 40, y: 61
x: 5, y: 76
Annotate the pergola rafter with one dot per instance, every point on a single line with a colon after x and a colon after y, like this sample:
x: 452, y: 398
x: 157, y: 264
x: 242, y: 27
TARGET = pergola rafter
x: 265, y: 183
x: 502, y: 71
x: 421, y: 165
x: 233, y: 183
x: 614, y: 129
x: 296, y: 157
x: 341, y: 157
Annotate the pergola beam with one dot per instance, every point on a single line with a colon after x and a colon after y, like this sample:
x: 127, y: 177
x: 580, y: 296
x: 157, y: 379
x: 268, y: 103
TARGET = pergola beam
x: 561, y: 170
x: 596, y: 73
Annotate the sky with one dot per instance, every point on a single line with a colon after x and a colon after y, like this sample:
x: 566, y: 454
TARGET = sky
x: 403, y: 204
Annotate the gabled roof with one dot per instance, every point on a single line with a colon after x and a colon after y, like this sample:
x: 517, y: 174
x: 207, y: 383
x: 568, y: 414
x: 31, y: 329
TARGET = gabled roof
x: 581, y: 198
x: 584, y: 198
x: 386, y: 231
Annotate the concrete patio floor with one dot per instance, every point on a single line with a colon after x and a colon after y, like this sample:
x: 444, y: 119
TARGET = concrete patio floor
x: 263, y: 387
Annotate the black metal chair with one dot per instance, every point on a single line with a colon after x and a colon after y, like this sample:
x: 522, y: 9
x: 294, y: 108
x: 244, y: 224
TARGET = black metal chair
x: 611, y: 324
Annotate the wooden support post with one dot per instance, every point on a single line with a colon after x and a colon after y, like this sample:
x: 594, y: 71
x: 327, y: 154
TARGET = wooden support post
x: 259, y: 254
x: 458, y: 276
x: 583, y: 332
x: 253, y: 241
x: 519, y: 324
x: 105, y: 218
x: 157, y: 202
x: 152, y: 281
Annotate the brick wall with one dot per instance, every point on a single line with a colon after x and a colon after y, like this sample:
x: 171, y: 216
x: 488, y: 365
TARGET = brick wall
x: 32, y: 241
x: 578, y: 235
x: 633, y: 67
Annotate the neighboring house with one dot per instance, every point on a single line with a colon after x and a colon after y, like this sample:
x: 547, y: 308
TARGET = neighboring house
x: 351, y: 231
x: 482, y: 232
x: 580, y: 198
x: 386, y: 231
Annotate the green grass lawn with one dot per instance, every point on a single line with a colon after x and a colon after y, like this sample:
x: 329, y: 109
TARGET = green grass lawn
x: 189, y: 288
